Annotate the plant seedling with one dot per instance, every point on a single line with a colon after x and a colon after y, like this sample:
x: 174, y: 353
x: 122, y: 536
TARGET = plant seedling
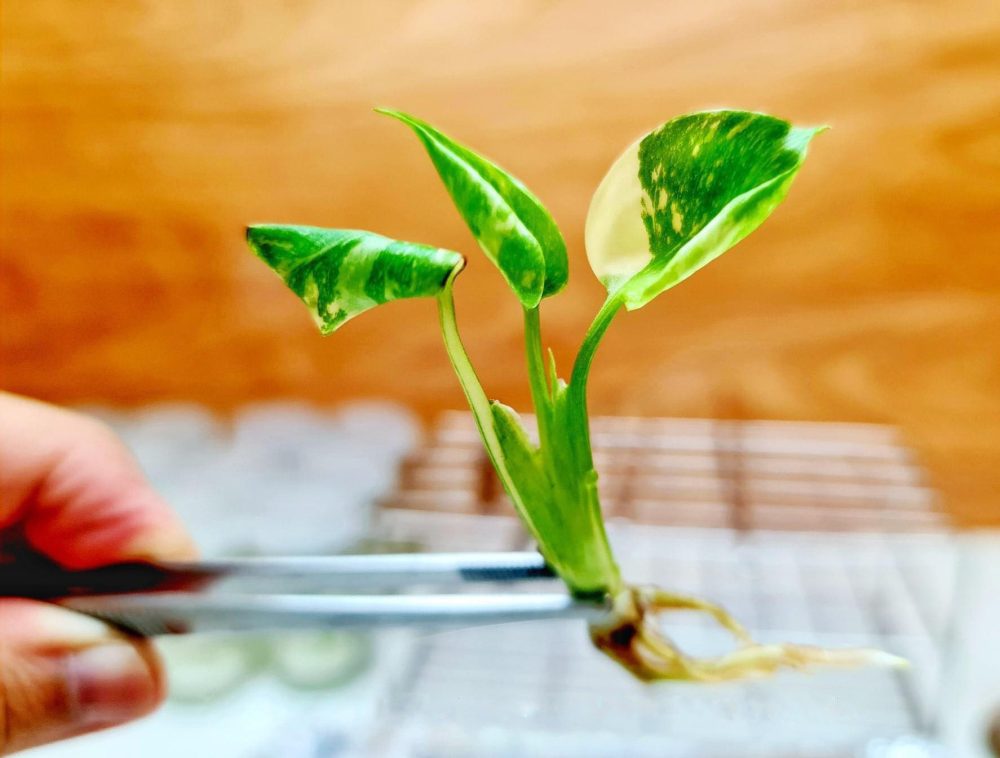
x: 675, y: 200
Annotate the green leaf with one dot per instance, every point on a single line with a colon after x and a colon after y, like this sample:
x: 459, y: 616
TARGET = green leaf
x: 684, y: 194
x: 511, y: 224
x: 521, y: 457
x: 339, y: 273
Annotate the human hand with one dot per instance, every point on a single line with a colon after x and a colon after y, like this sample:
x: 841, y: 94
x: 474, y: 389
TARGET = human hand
x: 70, y: 490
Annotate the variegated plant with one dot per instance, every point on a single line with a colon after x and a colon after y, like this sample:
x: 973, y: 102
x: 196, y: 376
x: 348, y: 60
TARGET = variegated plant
x: 674, y: 201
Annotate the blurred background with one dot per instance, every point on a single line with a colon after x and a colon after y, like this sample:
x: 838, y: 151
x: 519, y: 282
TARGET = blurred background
x: 139, y: 138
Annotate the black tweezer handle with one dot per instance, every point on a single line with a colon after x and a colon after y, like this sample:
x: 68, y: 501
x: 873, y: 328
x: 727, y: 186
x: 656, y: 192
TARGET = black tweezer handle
x: 33, y: 576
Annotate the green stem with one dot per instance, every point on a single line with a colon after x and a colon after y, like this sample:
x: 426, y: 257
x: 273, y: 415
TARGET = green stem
x: 577, y: 390
x: 541, y: 396
x: 558, y: 501
x: 479, y: 402
x: 571, y: 466
x: 600, y: 324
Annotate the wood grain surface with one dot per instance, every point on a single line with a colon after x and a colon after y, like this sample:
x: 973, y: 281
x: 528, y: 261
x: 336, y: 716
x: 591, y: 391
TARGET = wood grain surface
x: 138, y: 138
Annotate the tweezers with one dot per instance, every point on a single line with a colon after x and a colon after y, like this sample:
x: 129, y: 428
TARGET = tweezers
x: 251, y: 594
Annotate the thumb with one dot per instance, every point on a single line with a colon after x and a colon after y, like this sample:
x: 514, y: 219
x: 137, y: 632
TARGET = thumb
x: 63, y: 674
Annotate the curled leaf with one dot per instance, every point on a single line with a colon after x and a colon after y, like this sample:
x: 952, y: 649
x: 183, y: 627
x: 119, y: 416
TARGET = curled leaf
x: 684, y: 194
x: 339, y: 273
x: 510, y: 224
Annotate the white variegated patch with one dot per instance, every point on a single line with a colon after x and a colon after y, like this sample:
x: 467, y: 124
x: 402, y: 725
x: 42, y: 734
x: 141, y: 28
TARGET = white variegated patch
x: 616, y: 240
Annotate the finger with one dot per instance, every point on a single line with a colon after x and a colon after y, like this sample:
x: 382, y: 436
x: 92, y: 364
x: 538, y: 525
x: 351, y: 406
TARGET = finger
x: 77, y: 492
x: 62, y: 674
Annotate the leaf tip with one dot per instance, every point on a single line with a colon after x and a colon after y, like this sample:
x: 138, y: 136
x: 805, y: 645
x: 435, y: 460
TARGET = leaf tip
x: 813, y: 131
x: 799, y: 137
x: 256, y: 231
x: 399, y: 115
x: 255, y: 237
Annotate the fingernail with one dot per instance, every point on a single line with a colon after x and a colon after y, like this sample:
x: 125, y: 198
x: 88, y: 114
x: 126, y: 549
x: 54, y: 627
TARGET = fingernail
x: 56, y: 625
x: 110, y: 684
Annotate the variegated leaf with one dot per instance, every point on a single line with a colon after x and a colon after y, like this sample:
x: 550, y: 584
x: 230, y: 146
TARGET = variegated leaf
x: 509, y: 222
x: 339, y: 273
x: 684, y: 194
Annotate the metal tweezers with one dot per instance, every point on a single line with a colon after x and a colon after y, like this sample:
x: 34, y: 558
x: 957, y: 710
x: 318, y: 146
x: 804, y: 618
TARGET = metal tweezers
x: 293, y: 593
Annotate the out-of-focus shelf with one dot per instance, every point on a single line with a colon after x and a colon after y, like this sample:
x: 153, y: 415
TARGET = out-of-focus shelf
x: 742, y: 475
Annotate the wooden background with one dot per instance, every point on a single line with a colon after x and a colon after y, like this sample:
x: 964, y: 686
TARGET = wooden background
x: 139, y: 137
